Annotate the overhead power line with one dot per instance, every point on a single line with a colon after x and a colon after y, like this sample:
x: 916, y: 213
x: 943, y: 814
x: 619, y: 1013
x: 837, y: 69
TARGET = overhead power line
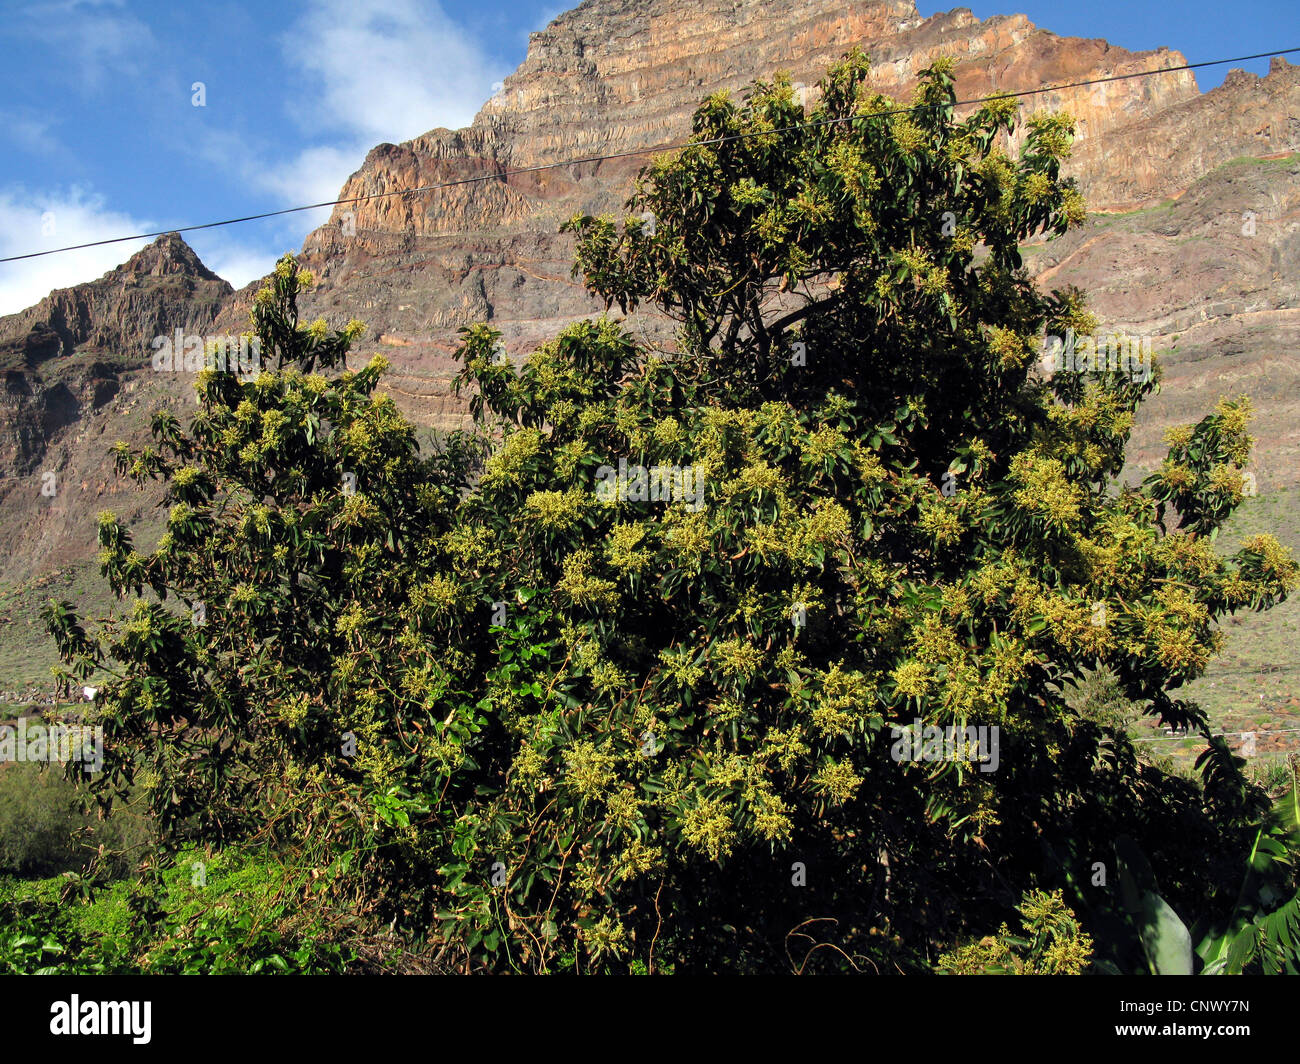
x: 503, y: 175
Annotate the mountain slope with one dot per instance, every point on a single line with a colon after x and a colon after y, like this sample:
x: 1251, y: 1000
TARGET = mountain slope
x: 77, y: 375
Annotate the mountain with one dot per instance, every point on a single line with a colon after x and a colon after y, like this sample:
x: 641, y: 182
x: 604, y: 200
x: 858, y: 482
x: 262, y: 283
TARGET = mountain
x: 1212, y: 274
x: 76, y: 372
x: 619, y: 76
x: 1172, y: 174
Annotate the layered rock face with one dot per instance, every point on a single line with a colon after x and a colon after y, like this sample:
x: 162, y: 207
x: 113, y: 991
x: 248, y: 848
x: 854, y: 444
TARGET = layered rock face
x: 1162, y: 153
x: 1213, y: 278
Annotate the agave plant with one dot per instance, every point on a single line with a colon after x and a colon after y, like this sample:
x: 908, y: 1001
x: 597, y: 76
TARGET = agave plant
x: 1263, y: 925
x: 1265, y: 921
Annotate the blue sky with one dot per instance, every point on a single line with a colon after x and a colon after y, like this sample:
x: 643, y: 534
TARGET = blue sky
x: 99, y: 135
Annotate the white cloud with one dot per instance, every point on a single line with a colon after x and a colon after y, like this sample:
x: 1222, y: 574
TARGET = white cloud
x: 78, y: 217
x: 36, y: 222
x: 387, y: 70
x: 224, y: 255
x: 94, y: 38
x: 384, y: 71
x: 313, y: 175
x: 28, y: 131
x: 316, y: 175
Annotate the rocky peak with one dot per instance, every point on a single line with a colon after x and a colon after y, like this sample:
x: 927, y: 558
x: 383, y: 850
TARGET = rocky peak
x: 75, y: 374
x: 167, y: 256
x: 161, y: 287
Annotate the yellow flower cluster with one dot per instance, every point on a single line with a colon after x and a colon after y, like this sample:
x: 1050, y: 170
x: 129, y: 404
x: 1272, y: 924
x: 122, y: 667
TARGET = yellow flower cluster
x: 736, y: 659
x: 843, y: 699
x: 507, y: 465
x: 1045, y: 492
x: 1227, y: 480
x: 1277, y: 561
x: 588, y: 771
x: 1073, y: 624
x: 556, y: 510
x: 913, y: 679
x: 826, y: 442
x: 1234, y: 415
x: 907, y: 135
x: 1012, y: 350
x: 1036, y: 187
x: 838, y: 781
x: 621, y: 548
x: 708, y: 826
x: 681, y: 667
x: 441, y: 594
x: 940, y: 523
x: 585, y: 589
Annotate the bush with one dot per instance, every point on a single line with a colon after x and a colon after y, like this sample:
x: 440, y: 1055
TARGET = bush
x: 242, y: 913
x: 1051, y: 943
